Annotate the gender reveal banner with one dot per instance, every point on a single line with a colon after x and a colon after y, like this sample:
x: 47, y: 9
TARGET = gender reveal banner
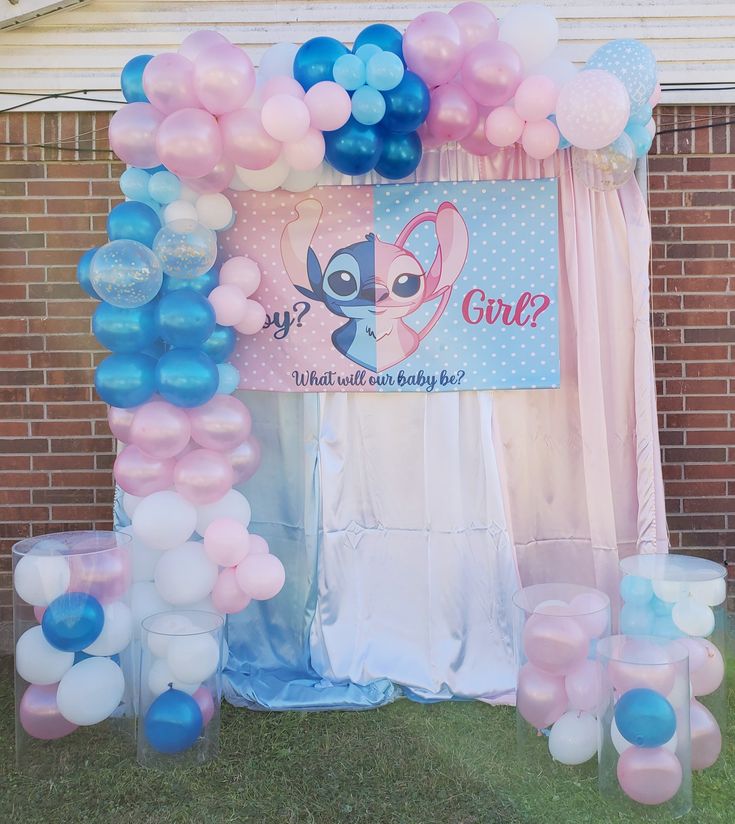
x: 423, y: 287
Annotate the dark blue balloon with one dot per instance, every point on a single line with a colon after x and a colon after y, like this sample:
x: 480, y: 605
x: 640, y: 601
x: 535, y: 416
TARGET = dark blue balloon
x: 173, y: 722
x: 154, y: 169
x: 400, y: 156
x: 185, y: 318
x: 83, y: 272
x: 126, y: 380
x: 131, y: 78
x: 203, y: 284
x: 72, y: 621
x: 220, y: 343
x: 645, y: 718
x: 82, y: 656
x: 186, y: 377
x: 315, y: 60
x: 382, y: 35
x: 133, y: 220
x: 406, y: 106
x: 353, y: 149
x: 125, y: 330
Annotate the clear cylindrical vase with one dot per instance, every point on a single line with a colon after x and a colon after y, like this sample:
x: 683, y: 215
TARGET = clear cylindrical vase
x: 73, y: 662
x: 180, y: 688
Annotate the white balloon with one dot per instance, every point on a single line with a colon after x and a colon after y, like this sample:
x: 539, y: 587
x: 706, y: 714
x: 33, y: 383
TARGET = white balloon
x: 188, y: 194
x: 693, y: 618
x: 276, y: 61
x: 160, y: 678
x: 236, y: 184
x: 164, y: 520
x: 130, y: 503
x: 214, y: 211
x: 179, y: 210
x: 268, y: 179
x: 40, y: 578
x: 710, y: 593
x: 185, y: 574
x: 669, y: 591
x: 232, y: 505
x: 303, y: 181
x: 193, y: 657
x: 621, y: 744
x: 558, y: 69
x: 145, y: 601
x: 163, y: 628
x: 533, y: 32
x: 117, y: 630
x: 573, y: 738
x: 37, y: 661
x: 90, y: 691
x: 144, y: 559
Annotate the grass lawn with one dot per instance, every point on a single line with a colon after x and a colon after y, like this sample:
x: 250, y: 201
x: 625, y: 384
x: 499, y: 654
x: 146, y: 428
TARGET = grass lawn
x: 450, y: 763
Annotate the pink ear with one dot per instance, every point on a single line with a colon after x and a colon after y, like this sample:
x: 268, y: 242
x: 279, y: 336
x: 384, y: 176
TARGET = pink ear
x: 296, y: 240
x: 453, y: 241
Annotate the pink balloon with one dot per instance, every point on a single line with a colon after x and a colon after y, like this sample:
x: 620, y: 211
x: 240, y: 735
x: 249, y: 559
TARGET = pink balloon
x: 655, y: 97
x: 168, y: 82
x: 706, y: 665
x: 535, y: 98
x: 105, y: 575
x: 432, y: 47
x: 706, y: 736
x: 591, y: 609
x: 203, y: 476
x: 229, y: 304
x: 258, y: 545
x: 491, y: 73
x: 329, y: 105
x: 477, y: 24
x: 503, y: 127
x: 452, y: 113
x: 197, y: 42
x: 428, y: 140
x: 656, y: 676
x: 554, y: 643
x: 541, y: 698
x: 584, y: 686
x: 592, y: 109
x: 203, y: 697
x: 38, y: 613
x: 120, y: 421
x: 227, y: 596
x: 39, y: 714
x: 254, y: 319
x: 160, y: 429
x: 285, y: 118
x: 222, y: 423
x: 282, y: 85
x: 651, y: 128
x: 476, y: 143
x: 540, y: 140
x: 245, y: 141
x: 224, y: 78
x: 305, y: 154
x: 141, y: 474
x: 216, y: 181
x: 260, y: 576
x: 189, y: 143
x: 245, y: 459
x: 132, y: 134
x: 241, y: 272
x: 649, y: 775
x: 226, y: 542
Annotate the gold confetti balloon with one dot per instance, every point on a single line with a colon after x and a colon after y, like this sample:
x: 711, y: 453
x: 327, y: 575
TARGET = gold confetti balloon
x: 186, y: 249
x: 126, y: 274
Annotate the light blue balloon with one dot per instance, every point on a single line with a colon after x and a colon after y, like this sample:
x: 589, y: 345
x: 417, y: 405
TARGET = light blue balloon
x: 164, y: 187
x: 384, y: 71
x: 664, y: 627
x: 563, y: 142
x: 641, y: 138
x: 368, y: 106
x: 349, y: 72
x: 645, y: 718
x: 636, y: 620
x: 633, y: 63
x: 660, y: 608
x: 636, y: 590
x: 367, y: 51
x: 125, y: 273
x: 641, y: 115
x: 229, y: 378
x: 134, y: 183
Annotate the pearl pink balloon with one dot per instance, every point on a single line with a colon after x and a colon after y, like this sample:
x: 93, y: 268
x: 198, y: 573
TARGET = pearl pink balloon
x: 584, y: 686
x: 428, y: 139
x: 254, y: 319
x: 224, y: 78
x: 132, y: 134
x: 285, y: 118
x: 554, y: 643
x: 203, y: 697
x: 649, y: 775
x: 203, y: 476
x: 503, y: 127
x: 329, y: 105
x: 229, y: 304
x: 432, y: 47
x: 245, y: 459
x: 258, y: 545
x: 168, y: 82
x: 245, y: 142
x: 477, y: 24
x: 540, y: 698
x: 708, y: 676
x: 305, y: 154
x: 160, y: 429
x: 535, y: 98
x: 241, y: 272
x: 591, y: 609
x: 476, y: 143
x: 105, y: 575
x: 141, y: 474
x: 216, y: 181
x: 592, y: 109
x: 452, y: 113
x: 197, y: 42
x: 120, y: 421
x: 540, y: 140
x: 491, y: 73
x: 706, y: 736
x: 39, y: 714
x: 226, y: 542
x: 222, y: 423
x: 227, y: 596
x: 282, y: 85
x: 627, y: 676
x: 260, y: 576
x: 189, y: 143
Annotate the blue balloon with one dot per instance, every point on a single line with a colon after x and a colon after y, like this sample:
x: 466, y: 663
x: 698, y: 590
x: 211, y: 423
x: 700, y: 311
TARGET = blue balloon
x: 384, y: 71
x: 72, y: 621
x: 636, y: 590
x: 82, y: 656
x: 164, y: 187
x: 185, y: 318
x: 636, y: 620
x: 563, y: 142
x: 645, y: 718
x: 125, y: 330
x: 641, y: 138
x: 368, y: 106
x: 133, y: 221
x: 173, y: 722
x: 154, y: 169
x: 229, y: 378
x: 353, y: 149
x: 406, y: 106
x: 400, y: 156
x: 661, y: 608
x: 220, y: 343
x: 349, y: 72
x: 126, y: 380
x: 131, y: 79
x: 203, y: 284
x: 633, y: 63
x: 315, y: 60
x: 83, y: 272
x: 134, y: 183
x: 379, y: 34
x: 186, y: 377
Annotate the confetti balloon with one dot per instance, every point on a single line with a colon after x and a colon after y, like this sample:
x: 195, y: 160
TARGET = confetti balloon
x: 185, y: 248
x: 126, y: 274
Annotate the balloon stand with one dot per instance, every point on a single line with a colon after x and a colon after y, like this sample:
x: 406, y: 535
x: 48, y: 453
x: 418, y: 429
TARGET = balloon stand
x: 180, y: 689
x: 557, y: 628
x: 645, y: 745
x: 683, y: 598
x: 73, y: 654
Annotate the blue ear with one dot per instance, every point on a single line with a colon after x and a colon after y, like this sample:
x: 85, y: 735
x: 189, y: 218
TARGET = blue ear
x: 314, y: 273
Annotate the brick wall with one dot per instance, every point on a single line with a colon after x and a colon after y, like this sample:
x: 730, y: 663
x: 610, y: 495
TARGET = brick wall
x: 55, y: 448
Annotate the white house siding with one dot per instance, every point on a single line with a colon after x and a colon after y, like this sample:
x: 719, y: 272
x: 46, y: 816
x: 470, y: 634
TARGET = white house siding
x: 84, y: 47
